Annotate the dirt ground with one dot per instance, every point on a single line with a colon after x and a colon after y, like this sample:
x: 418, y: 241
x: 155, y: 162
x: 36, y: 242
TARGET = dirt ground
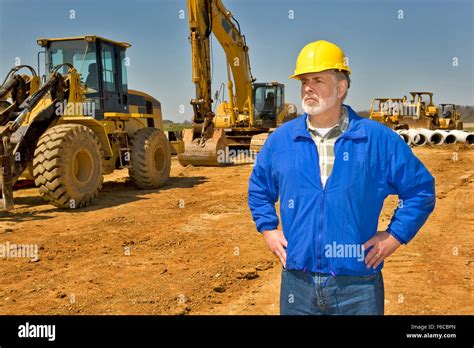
x: 191, y: 248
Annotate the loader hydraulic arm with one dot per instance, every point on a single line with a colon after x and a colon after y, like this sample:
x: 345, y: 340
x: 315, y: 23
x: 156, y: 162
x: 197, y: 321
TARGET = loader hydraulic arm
x: 18, y: 137
x: 206, y: 17
x: 18, y: 87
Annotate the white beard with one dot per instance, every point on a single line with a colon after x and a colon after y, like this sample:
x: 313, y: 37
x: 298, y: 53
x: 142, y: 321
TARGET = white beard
x: 322, y: 106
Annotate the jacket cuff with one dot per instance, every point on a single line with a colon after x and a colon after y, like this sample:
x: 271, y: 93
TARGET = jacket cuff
x: 396, y: 236
x: 266, y: 227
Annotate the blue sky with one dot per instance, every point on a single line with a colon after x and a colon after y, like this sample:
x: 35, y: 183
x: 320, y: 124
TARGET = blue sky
x: 388, y: 56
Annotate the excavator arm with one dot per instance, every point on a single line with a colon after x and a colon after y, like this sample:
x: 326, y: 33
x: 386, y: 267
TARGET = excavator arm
x: 207, y: 17
x: 210, y: 16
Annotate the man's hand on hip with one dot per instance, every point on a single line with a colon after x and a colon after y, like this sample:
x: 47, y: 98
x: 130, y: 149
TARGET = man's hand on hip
x: 384, y: 244
x: 277, y: 244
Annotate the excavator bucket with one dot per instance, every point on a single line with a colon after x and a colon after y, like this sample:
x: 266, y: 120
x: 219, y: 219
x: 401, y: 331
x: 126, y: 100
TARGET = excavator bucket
x: 210, y: 153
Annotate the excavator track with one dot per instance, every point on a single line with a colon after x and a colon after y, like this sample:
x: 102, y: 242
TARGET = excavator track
x: 257, y: 141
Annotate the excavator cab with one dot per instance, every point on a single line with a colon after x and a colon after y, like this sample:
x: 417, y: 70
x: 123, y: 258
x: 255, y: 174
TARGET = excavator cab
x: 268, y: 103
x: 101, y: 65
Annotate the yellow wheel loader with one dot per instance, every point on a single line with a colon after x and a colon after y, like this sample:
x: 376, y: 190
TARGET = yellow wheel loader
x: 253, y: 109
x: 81, y: 123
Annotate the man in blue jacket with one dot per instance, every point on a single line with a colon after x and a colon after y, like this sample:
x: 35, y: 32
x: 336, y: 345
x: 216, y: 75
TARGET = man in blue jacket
x: 332, y: 170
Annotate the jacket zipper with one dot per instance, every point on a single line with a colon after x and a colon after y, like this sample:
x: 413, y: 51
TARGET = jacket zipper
x: 318, y: 253
x: 318, y: 244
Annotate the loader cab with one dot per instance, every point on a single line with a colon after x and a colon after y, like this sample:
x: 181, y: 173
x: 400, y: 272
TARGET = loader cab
x: 101, y: 64
x: 269, y: 102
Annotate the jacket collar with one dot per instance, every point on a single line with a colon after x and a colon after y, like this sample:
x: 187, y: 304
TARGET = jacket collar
x: 355, y: 131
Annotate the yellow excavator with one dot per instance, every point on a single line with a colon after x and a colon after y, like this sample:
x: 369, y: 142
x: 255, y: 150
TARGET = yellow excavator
x: 81, y: 123
x: 253, y: 110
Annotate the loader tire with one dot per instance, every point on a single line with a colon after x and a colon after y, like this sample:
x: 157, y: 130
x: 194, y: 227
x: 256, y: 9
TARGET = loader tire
x: 150, y: 158
x: 68, y: 166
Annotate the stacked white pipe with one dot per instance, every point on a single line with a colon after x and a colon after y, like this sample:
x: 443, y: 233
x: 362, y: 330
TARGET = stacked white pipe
x: 412, y: 137
x: 421, y: 136
x: 438, y: 137
x: 459, y: 136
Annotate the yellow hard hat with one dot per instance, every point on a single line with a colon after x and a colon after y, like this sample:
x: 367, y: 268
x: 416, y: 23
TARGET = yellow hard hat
x: 318, y: 56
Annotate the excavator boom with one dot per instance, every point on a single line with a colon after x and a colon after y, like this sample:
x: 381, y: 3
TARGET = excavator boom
x: 203, y: 143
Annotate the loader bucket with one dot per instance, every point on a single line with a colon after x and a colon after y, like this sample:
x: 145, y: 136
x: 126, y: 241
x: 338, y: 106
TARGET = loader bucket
x: 209, y: 154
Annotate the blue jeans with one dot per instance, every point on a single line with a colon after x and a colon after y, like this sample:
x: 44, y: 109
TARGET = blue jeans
x: 322, y: 294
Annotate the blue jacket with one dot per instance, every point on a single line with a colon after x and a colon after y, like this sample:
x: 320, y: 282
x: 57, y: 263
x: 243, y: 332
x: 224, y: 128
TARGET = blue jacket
x: 326, y: 228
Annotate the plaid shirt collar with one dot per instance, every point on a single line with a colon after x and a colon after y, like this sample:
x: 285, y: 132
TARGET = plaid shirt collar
x: 341, y: 125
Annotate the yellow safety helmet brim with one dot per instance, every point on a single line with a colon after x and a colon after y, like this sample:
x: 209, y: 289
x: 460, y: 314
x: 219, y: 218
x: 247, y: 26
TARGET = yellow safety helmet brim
x: 296, y: 76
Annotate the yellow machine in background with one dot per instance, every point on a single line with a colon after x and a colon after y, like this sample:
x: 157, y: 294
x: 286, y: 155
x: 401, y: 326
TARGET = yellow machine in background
x: 82, y: 123
x: 419, y: 112
x: 388, y: 111
x: 253, y: 109
x: 449, y: 117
